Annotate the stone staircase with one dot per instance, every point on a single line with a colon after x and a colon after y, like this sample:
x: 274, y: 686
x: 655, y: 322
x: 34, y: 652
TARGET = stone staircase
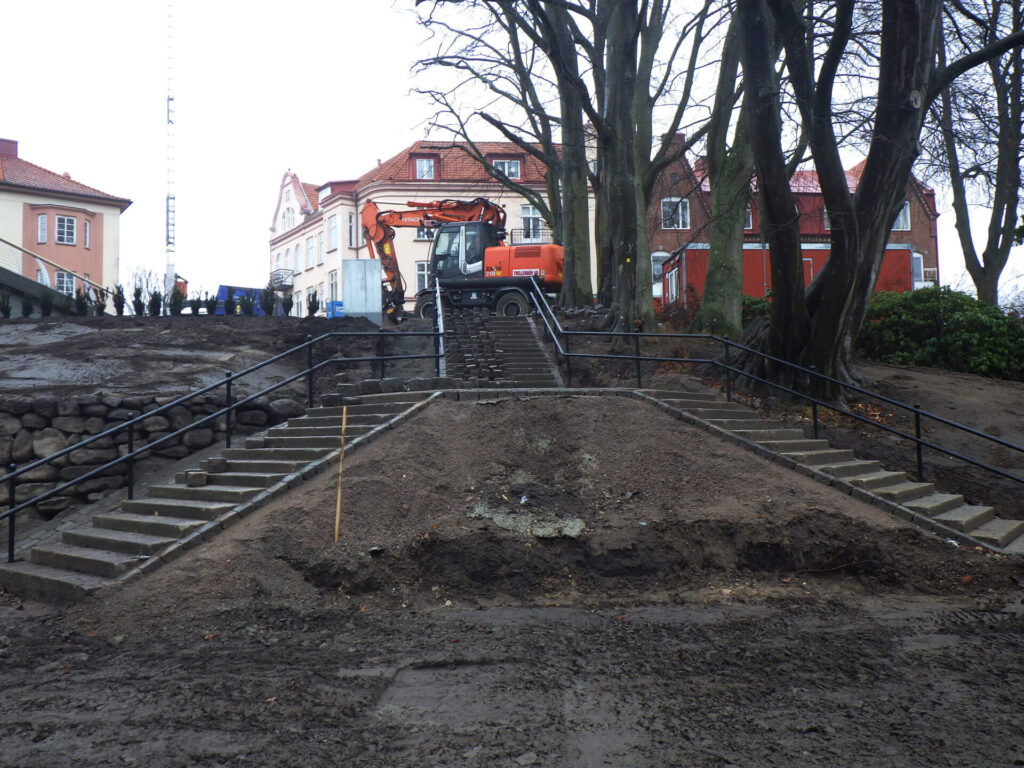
x: 848, y: 472
x: 498, y: 352
x: 137, y: 536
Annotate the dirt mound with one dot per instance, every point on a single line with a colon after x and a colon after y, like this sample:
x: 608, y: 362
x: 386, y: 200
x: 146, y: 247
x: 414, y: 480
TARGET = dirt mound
x: 433, y: 514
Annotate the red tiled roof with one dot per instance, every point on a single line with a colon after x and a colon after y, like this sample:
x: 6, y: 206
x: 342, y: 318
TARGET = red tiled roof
x: 19, y: 173
x: 310, y: 191
x: 455, y: 164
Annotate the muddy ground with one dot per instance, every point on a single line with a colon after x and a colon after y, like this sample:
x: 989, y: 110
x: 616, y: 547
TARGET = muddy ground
x: 555, y: 582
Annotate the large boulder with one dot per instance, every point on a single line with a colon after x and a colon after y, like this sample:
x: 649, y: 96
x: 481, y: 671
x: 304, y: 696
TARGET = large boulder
x: 47, y: 441
x: 285, y: 408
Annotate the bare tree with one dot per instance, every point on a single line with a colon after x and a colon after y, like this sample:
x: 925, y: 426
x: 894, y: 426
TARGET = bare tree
x: 817, y: 330
x: 978, y: 139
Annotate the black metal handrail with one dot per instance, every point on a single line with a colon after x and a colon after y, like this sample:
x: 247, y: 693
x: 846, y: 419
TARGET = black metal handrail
x: 14, y: 472
x: 560, y: 335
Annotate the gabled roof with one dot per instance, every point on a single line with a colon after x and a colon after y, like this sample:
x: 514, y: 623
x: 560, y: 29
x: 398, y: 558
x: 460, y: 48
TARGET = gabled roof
x: 15, y: 172
x: 455, y: 163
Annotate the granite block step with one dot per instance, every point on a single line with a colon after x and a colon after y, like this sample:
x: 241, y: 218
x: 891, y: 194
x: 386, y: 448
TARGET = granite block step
x: 151, y: 525
x: 116, y: 541
x: 97, y: 562
x: 26, y: 578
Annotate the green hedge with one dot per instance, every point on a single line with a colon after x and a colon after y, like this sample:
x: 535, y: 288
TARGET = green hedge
x: 940, y: 328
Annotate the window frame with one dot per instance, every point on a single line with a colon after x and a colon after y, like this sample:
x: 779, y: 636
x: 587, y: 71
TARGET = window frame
x: 332, y: 233
x: 903, y: 217
x: 319, y: 248
x: 61, y: 238
x: 86, y: 234
x: 332, y: 285
x: 422, y: 273
x: 748, y: 221
x: 424, y: 233
x: 309, y: 252
x: 64, y: 282
x: 531, y: 235
x: 681, y: 210
x: 672, y: 280
x: 41, y: 232
x: 419, y: 172
x: 504, y: 163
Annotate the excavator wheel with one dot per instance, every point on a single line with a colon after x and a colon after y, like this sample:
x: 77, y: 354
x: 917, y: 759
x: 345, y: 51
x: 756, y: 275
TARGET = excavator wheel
x: 512, y: 304
x: 426, y: 307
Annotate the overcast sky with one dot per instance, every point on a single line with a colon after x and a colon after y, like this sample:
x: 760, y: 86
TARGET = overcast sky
x: 322, y: 87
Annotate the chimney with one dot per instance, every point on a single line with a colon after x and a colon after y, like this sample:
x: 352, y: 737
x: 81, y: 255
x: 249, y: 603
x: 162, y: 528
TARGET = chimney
x: 66, y: 175
x: 8, y: 147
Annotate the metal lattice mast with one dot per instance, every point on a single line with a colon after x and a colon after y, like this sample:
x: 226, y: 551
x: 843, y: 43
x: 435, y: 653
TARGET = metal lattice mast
x: 169, y: 274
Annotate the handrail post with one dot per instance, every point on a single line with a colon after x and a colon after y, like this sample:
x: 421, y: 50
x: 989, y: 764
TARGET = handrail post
x: 814, y: 403
x: 309, y: 371
x: 639, y: 375
x: 568, y: 361
x: 131, y: 458
x: 10, y: 520
x: 917, y: 433
x: 227, y: 404
x: 728, y: 371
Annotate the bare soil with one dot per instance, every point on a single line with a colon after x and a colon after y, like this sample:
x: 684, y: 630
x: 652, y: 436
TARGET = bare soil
x: 714, y: 610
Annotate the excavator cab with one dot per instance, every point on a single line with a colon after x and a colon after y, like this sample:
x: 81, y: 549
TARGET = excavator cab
x: 458, y: 249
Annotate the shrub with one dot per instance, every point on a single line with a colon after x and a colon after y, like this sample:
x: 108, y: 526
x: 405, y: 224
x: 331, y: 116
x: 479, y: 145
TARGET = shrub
x: 175, y: 301
x: 81, y: 303
x: 27, y: 307
x: 5, y: 304
x: 195, y: 303
x: 287, y: 302
x: 268, y: 300
x: 211, y: 305
x: 755, y: 308
x: 229, y: 304
x: 247, y: 305
x: 155, y: 304
x: 119, y: 300
x: 101, y: 302
x: 941, y: 328
x: 46, y: 304
x: 312, y: 303
x: 138, y: 305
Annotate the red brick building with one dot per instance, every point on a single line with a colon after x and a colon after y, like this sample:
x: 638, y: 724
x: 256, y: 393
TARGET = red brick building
x: 680, y: 213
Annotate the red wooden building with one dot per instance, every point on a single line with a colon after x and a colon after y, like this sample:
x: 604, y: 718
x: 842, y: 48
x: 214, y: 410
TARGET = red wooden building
x: 678, y: 223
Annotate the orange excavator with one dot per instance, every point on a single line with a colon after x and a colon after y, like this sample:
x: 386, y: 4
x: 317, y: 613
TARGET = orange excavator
x: 469, y: 260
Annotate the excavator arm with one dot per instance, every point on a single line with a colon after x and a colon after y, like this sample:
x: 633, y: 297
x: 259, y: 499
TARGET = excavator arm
x: 379, y: 230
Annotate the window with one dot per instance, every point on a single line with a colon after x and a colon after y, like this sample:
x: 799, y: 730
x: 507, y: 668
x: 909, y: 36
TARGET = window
x: 421, y: 275
x: 424, y: 168
x: 288, y: 219
x: 66, y: 230
x: 658, y: 259
x: 309, y: 253
x: 65, y: 283
x: 916, y: 268
x: 277, y: 260
x: 748, y: 222
x: 532, y: 223
x: 351, y: 230
x: 320, y: 294
x: 299, y: 302
x: 332, y: 286
x: 41, y: 228
x: 509, y: 167
x: 673, y: 285
x: 826, y: 223
x: 288, y: 258
x: 903, y: 218
x: 85, y: 233
x: 425, y: 233
x: 332, y: 233
x: 675, y: 213
x: 320, y: 248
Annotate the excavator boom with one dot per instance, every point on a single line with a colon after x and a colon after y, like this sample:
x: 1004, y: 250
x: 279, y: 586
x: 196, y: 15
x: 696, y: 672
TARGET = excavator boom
x: 379, y: 229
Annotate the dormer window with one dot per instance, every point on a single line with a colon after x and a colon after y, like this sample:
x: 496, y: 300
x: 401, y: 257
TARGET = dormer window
x: 425, y: 168
x: 511, y: 168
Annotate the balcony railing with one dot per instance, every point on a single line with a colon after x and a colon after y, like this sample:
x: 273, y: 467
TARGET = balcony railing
x: 281, y: 278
